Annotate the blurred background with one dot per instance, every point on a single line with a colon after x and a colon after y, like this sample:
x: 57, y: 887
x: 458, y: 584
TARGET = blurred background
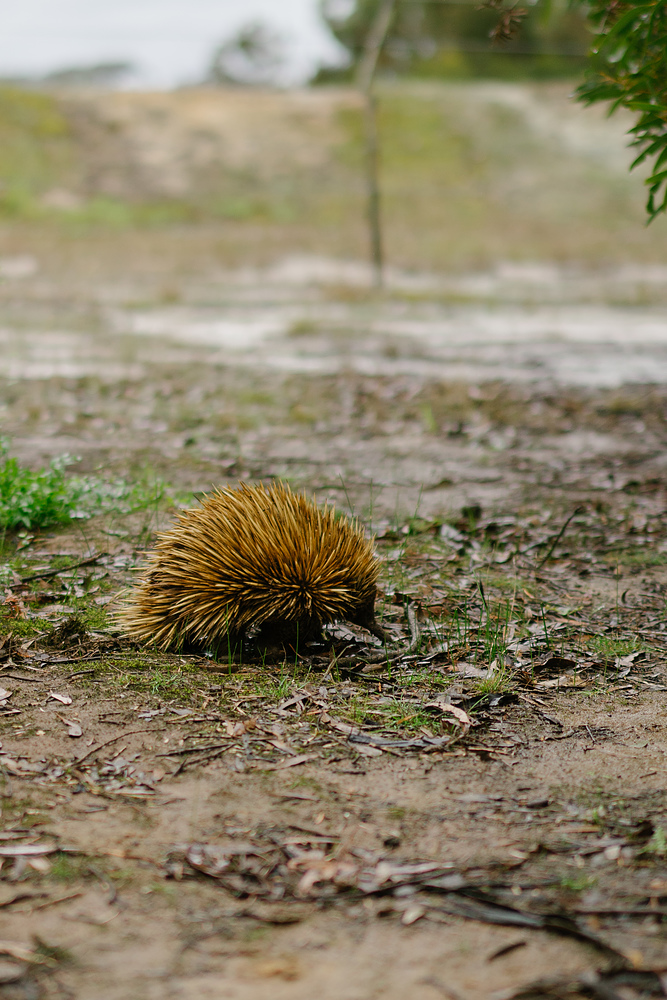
x: 162, y: 112
x: 183, y: 183
x: 170, y: 43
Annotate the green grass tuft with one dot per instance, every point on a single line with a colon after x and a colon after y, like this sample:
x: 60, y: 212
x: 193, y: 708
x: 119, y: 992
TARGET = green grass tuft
x: 50, y: 497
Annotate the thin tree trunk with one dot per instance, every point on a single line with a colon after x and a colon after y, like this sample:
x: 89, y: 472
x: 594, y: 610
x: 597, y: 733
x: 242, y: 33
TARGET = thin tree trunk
x: 366, y: 73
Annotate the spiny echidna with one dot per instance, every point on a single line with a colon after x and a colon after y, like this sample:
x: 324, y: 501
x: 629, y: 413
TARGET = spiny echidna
x: 252, y: 558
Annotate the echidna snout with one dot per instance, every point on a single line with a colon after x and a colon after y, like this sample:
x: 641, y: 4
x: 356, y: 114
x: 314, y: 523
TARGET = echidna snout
x: 252, y: 559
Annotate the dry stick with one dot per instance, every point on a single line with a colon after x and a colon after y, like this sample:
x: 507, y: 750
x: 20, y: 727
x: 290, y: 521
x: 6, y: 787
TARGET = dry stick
x: 189, y: 750
x: 75, y: 659
x: 577, y: 510
x: 21, y: 897
x: 133, y: 732
x: 367, y: 66
x: 205, y: 758
x: 17, y: 677
x: 55, y: 902
x: 415, y: 636
x: 63, y: 569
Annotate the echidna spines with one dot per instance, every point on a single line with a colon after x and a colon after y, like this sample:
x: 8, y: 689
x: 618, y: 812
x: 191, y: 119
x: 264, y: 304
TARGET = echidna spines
x: 251, y: 557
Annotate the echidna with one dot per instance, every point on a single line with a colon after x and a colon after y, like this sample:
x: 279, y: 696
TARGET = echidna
x: 252, y: 558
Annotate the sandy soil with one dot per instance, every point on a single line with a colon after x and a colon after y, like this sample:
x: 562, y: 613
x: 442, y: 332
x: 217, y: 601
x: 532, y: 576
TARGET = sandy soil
x: 177, y: 827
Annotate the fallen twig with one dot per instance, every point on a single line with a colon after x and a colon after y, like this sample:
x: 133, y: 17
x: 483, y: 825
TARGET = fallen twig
x: 577, y: 510
x: 63, y: 569
x: 114, y: 739
x: 189, y: 750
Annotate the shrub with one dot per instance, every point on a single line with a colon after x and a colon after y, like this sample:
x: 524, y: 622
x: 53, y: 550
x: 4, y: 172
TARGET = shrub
x: 50, y: 497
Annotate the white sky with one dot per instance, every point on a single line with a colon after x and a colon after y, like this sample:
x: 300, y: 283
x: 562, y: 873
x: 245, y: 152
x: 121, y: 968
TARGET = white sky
x: 170, y: 41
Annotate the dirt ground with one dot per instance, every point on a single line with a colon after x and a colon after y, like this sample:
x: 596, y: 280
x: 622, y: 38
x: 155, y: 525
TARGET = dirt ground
x: 477, y: 810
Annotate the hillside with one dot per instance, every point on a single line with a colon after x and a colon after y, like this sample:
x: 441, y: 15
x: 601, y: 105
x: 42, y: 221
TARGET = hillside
x: 471, y: 173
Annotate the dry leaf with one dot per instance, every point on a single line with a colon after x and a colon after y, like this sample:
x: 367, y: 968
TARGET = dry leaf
x: 458, y: 713
x: 318, y: 867
x: 239, y: 728
x: 342, y: 727
x: 11, y: 972
x: 73, y: 728
x: 26, y: 850
x: 214, y: 859
x: 42, y: 865
x: 464, y: 669
x: 390, y: 872
x: 286, y: 968
x: 24, y: 954
x: 21, y: 767
x: 553, y: 663
x: 290, y: 763
x: 367, y: 751
x: 565, y: 680
x: 412, y: 914
x: 14, y: 604
x: 64, y: 699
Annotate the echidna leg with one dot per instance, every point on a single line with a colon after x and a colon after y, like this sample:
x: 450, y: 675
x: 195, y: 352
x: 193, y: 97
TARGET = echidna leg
x: 365, y: 616
x: 289, y: 637
x: 226, y: 648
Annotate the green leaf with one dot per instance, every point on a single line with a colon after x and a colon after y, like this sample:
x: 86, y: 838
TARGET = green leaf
x: 628, y: 68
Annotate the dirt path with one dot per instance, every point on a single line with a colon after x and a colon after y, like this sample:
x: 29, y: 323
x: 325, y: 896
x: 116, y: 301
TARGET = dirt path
x: 483, y: 812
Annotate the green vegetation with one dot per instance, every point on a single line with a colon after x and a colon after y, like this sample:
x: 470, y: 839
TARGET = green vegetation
x: 396, y: 812
x: 629, y: 70
x: 47, y: 497
x: 36, y: 148
x: 578, y: 883
x: 70, y: 868
x: 640, y: 558
x: 608, y: 647
x: 498, y: 680
x: 19, y: 627
x: 627, y: 66
x: 54, y: 954
x: 658, y: 843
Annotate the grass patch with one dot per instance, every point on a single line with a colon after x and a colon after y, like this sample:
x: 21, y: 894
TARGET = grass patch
x: 640, y: 558
x: 578, y: 883
x: 48, y: 496
x: 93, y: 618
x: 19, y: 627
x: 496, y: 682
x: 165, y: 682
x: 70, y: 868
x: 278, y: 688
x: 396, y: 812
x: 73, y: 869
x: 53, y: 952
x: 657, y: 845
x: 36, y: 148
x: 398, y: 714
x: 608, y: 647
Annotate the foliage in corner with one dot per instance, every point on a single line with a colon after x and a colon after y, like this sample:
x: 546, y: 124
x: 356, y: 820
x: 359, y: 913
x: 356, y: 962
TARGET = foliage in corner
x: 49, y: 497
x: 628, y: 67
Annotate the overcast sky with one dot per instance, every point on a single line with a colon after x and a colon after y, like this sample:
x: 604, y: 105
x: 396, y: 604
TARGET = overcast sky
x: 170, y: 41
